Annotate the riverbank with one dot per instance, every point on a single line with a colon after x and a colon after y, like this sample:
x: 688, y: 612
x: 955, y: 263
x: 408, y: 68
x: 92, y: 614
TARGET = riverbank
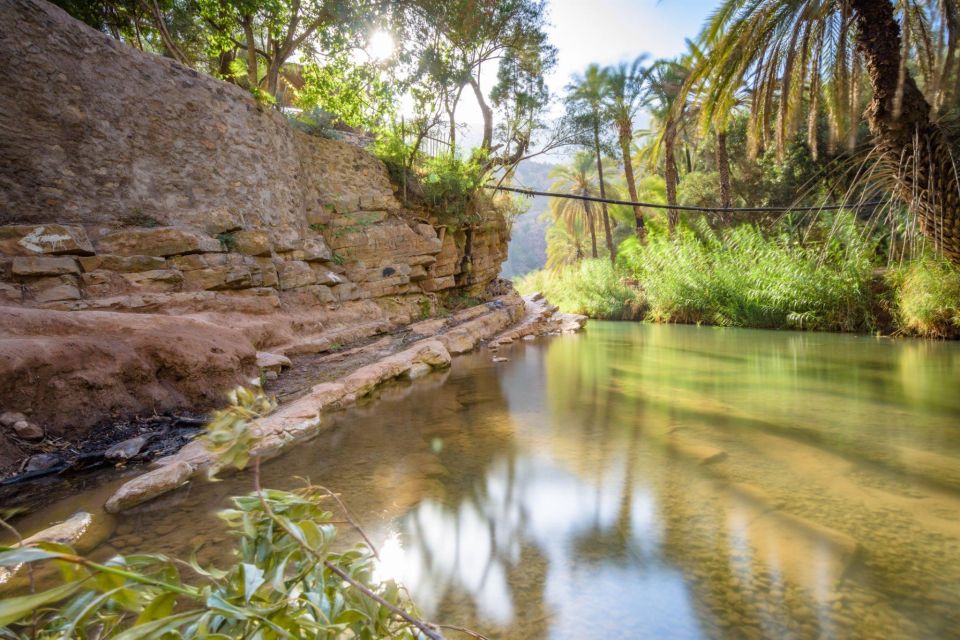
x: 308, y: 385
x: 747, y: 280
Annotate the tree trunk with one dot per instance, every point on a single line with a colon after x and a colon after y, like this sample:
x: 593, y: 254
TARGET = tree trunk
x: 224, y: 60
x: 723, y: 168
x: 626, y: 135
x: 168, y: 42
x: 487, y: 115
x: 670, y: 172
x: 913, y: 146
x: 593, y: 232
x: 603, y: 194
x: 251, y: 51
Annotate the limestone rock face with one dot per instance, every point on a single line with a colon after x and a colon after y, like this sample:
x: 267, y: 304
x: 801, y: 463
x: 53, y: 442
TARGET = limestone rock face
x: 157, y: 242
x: 147, y: 254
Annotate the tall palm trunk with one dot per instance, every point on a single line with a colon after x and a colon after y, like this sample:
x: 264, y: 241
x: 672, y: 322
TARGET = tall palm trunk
x: 899, y: 118
x: 723, y: 168
x: 626, y: 136
x: 603, y: 194
x: 670, y: 171
x: 588, y: 210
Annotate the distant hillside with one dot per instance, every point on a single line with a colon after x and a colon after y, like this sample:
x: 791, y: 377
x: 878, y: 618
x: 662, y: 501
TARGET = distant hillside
x: 528, y: 243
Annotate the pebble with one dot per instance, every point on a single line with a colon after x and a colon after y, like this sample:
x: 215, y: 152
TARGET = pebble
x: 42, y: 462
x: 10, y: 418
x: 28, y: 430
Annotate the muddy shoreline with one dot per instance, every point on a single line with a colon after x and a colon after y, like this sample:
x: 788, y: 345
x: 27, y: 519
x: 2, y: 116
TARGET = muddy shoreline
x: 161, y: 441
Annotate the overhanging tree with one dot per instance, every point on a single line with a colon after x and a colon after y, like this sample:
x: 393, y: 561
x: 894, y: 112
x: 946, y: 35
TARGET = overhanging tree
x: 813, y: 54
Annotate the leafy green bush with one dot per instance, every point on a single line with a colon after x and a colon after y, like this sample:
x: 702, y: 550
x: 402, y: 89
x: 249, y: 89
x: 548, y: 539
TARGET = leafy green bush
x: 739, y: 277
x: 928, y: 298
x: 447, y: 184
x: 391, y: 148
x: 450, y: 183
x: 285, y: 581
x: 590, y: 287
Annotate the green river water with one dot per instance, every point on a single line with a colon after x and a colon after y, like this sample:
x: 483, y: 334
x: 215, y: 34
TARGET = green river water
x: 643, y: 481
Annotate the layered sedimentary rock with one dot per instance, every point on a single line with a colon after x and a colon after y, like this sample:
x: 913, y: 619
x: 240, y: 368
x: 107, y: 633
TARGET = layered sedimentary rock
x: 159, y: 227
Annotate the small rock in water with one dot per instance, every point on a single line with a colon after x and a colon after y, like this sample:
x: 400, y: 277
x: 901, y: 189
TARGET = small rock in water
x: 42, y: 462
x: 418, y: 370
x: 126, y: 449
x: 529, y: 337
x: 28, y: 430
x: 10, y: 418
x: 499, y: 359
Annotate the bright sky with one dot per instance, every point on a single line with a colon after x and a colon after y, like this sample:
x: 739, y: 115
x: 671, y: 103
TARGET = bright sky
x: 607, y: 31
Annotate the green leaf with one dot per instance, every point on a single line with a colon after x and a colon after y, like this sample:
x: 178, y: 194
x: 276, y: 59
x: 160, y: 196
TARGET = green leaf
x: 13, y: 609
x: 252, y: 580
x: 349, y: 616
x: 158, y: 628
x: 159, y: 607
x: 10, y: 556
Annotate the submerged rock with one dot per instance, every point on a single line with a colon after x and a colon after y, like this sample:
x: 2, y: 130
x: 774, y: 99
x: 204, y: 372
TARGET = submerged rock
x: 149, y: 486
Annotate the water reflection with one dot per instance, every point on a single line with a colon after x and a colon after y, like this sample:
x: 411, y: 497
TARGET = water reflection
x: 649, y: 481
x: 685, y: 483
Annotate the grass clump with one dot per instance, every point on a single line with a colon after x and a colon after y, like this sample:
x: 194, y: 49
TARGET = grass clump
x: 928, y: 298
x: 590, y: 287
x: 739, y: 277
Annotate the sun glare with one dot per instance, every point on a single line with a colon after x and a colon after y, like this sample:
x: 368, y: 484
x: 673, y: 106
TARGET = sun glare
x: 380, y: 46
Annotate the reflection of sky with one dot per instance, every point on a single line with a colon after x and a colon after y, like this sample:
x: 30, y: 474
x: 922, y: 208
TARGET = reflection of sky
x: 592, y: 512
x: 471, y: 548
x: 529, y: 501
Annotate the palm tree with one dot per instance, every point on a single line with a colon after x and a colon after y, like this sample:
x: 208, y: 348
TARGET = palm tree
x: 665, y: 82
x: 807, y: 54
x: 564, y: 242
x: 626, y: 94
x: 577, y: 178
x: 586, y: 101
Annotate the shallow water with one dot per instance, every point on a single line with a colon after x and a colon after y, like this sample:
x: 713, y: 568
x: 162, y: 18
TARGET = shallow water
x: 644, y: 481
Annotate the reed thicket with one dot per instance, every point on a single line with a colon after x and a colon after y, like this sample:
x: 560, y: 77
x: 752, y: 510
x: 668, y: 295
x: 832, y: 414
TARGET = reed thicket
x: 831, y: 278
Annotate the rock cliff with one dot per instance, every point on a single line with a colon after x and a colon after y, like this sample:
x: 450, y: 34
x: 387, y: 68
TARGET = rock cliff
x: 159, y: 227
